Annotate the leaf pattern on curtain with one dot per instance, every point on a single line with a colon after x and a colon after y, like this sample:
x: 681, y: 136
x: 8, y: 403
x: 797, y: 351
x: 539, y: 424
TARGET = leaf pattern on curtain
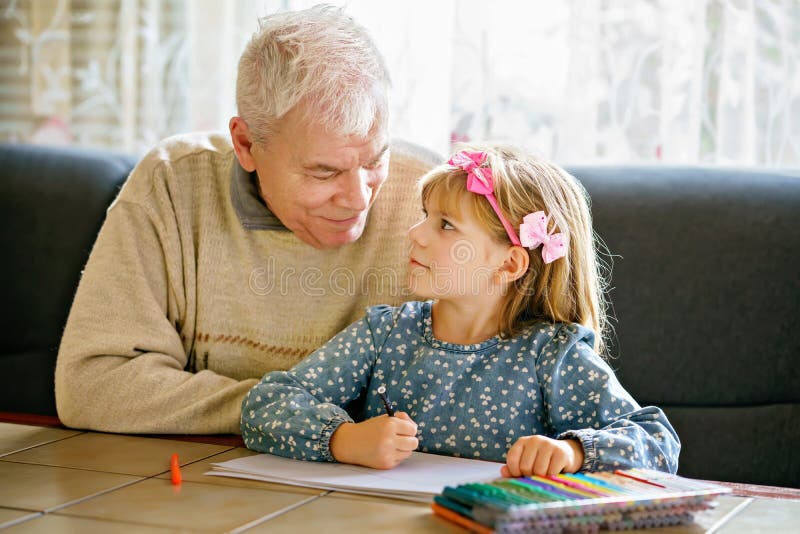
x: 700, y: 81
x: 682, y: 81
x: 103, y: 73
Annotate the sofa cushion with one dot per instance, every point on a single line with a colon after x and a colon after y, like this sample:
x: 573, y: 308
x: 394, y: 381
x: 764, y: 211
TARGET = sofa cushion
x: 52, y: 203
x: 706, y: 300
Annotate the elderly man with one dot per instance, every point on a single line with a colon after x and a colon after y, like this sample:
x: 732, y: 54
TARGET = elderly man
x: 218, y: 263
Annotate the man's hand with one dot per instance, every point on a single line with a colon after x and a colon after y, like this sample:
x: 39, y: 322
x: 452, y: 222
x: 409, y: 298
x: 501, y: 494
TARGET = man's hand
x: 542, y: 456
x: 381, y: 442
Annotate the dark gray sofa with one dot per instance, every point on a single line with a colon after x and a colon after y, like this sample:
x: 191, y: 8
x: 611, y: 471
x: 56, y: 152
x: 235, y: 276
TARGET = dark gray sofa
x: 705, y: 290
x: 52, y: 203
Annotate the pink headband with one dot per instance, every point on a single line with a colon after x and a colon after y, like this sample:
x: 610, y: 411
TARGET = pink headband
x: 533, y: 229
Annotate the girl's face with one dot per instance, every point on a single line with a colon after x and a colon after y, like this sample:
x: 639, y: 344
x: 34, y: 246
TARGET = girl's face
x: 453, y: 257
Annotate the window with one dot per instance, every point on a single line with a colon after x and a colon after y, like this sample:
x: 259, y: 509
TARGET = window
x: 624, y: 81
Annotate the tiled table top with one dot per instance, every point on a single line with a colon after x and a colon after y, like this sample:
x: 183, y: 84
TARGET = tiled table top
x: 57, y: 480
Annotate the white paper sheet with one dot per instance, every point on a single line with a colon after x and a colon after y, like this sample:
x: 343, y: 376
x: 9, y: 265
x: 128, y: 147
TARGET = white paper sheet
x: 418, y: 478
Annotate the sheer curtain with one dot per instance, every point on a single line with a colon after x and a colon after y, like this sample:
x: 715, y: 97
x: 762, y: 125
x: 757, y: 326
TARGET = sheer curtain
x: 680, y: 81
x: 93, y: 72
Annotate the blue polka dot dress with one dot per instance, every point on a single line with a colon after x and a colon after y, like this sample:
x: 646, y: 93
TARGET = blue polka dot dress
x: 472, y: 401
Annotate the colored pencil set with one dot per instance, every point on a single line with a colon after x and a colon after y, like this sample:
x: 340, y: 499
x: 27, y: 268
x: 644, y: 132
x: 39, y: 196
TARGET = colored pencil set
x: 581, y: 502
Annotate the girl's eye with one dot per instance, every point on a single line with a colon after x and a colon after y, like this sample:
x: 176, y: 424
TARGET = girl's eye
x: 446, y: 225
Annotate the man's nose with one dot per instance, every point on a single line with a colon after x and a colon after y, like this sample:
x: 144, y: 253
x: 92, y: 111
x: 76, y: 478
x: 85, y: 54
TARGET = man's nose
x: 356, y: 190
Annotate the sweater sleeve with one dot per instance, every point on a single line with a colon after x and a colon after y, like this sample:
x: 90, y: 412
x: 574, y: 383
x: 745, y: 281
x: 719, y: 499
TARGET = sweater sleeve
x: 121, y: 363
x: 294, y: 413
x: 585, y: 401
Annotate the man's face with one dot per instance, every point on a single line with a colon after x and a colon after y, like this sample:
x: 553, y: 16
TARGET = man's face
x: 321, y: 185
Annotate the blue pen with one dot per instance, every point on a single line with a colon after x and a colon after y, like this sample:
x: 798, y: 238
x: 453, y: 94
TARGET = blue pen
x: 386, y: 403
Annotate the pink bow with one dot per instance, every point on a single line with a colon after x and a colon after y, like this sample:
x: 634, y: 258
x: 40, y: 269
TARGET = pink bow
x: 533, y: 229
x: 533, y: 232
x: 479, y: 181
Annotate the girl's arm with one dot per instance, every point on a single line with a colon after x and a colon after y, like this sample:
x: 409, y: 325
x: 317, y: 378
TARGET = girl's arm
x: 586, y: 402
x: 294, y: 413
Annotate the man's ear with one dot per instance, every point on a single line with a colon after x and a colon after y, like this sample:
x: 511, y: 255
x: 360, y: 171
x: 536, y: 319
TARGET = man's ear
x: 515, y: 265
x: 242, y: 144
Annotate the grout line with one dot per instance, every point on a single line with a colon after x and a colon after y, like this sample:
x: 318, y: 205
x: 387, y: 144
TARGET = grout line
x: 141, y: 476
x: 23, y: 519
x: 92, y: 496
x: 273, y: 515
x: 207, y: 457
x: 85, y: 469
x: 719, y: 524
x: 29, y: 447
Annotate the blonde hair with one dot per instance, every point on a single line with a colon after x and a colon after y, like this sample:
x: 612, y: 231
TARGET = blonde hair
x: 570, y: 289
x: 319, y: 56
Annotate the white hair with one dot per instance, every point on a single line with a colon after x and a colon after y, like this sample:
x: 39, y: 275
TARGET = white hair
x: 319, y: 56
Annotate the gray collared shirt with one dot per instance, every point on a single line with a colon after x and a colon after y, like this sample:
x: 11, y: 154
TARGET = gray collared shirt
x: 253, y: 212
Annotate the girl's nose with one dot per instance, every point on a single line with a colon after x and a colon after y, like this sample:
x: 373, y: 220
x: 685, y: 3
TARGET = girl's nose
x: 417, y: 234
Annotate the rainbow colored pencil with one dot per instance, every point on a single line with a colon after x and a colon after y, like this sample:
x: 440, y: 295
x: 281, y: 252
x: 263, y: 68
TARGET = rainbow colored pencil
x: 634, y: 498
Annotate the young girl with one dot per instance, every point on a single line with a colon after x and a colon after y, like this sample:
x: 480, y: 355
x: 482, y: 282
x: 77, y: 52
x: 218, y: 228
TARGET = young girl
x: 501, y: 364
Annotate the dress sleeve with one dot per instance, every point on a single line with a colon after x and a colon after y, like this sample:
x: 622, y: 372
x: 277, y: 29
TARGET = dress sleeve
x: 294, y: 413
x: 585, y: 401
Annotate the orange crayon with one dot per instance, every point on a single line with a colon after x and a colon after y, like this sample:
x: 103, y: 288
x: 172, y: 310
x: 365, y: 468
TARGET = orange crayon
x: 175, y: 468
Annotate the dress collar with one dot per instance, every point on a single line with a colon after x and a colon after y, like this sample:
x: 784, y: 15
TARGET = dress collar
x: 427, y: 334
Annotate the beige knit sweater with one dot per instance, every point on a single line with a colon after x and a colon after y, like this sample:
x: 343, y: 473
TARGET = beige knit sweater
x: 191, y: 293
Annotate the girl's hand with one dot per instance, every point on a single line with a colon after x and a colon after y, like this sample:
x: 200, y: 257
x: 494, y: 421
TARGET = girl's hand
x: 542, y: 456
x: 381, y: 442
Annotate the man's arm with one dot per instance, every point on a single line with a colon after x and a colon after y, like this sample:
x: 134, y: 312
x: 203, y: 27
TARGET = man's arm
x: 121, y: 362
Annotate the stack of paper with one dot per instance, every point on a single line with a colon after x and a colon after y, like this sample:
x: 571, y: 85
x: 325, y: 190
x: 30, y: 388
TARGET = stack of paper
x: 418, y: 478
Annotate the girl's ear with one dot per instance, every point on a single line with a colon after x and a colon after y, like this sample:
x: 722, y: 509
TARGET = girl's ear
x: 515, y: 265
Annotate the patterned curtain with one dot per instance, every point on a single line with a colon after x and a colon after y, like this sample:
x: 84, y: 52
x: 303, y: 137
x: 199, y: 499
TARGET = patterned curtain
x: 681, y: 81
x: 104, y: 73
x: 697, y: 81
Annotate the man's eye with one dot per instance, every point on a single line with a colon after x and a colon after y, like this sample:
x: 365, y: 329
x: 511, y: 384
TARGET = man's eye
x: 374, y: 165
x: 323, y: 175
